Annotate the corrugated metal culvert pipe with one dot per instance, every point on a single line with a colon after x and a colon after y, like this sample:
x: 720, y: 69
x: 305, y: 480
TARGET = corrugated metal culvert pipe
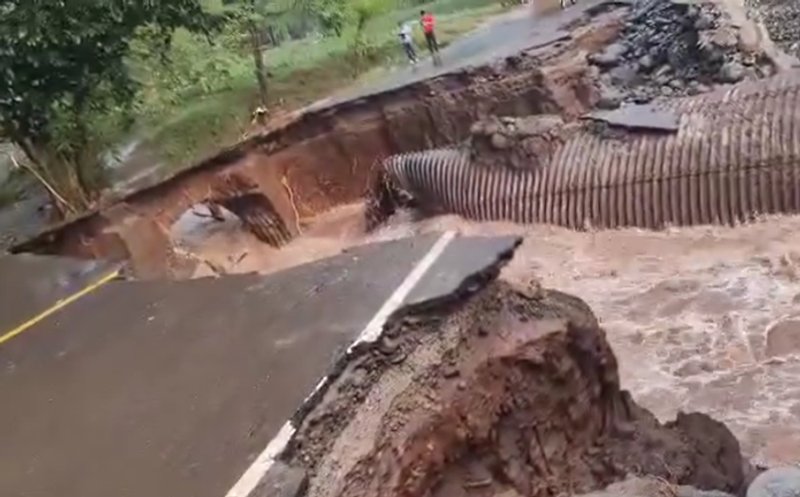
x: 721, y: 158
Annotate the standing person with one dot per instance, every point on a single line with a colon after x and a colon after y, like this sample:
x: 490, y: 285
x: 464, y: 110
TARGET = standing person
x: 407, y: 41
x: 429, y: 28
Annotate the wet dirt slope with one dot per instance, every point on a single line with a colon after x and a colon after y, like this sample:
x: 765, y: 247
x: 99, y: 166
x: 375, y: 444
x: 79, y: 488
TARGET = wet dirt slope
x: 510, y: 393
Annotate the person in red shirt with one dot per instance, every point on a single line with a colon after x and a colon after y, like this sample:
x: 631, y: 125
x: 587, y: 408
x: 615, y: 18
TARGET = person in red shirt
x: 429, y: 28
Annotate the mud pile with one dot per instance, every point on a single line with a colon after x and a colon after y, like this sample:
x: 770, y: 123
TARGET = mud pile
x: 513, y: 392
x: 528, y: 142
x: 672, y: 49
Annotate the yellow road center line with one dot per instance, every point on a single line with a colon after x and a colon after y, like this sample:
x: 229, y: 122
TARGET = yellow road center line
x: 58, y: 306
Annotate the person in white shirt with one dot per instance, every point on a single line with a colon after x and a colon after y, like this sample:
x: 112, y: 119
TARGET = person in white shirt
x: 408, y: 43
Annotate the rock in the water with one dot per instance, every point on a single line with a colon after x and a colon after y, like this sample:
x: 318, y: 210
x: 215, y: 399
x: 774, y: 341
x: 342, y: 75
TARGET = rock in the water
x: 712, y: 437
x: 783, y: 338
x: 776, y: 482
x: 731, y: 72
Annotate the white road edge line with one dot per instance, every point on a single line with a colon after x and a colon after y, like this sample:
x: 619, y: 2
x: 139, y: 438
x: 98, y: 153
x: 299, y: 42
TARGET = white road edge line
x: 259, y: 467
x: 373, y: 329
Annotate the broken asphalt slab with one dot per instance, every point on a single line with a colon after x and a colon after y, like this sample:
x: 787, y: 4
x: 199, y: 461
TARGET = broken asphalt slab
x: 638, y: 116
x: 174, y: 388
x: 469, y: 263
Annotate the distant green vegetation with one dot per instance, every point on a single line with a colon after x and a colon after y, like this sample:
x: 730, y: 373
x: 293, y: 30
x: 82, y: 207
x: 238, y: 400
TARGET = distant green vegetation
x: 185, y: 126
x: 180, y: 78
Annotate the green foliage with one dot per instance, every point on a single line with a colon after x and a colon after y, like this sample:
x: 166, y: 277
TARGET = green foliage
x: 363, y: 12
x: 283, y: 15
x: 255, y: 18
x: 301, y: 71
x: 331, y: 14
x: 184, y: 69
x: 55, y: 52
x: 191, y: 69
x: 62, y: 63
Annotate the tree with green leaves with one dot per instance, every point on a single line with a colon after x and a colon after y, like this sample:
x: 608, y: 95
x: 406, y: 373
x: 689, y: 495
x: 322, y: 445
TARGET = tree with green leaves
x: 63, y: 79
x: 252, y: 16
x: 332, y: 15
x: 363, y: 12
x: 258, y: 18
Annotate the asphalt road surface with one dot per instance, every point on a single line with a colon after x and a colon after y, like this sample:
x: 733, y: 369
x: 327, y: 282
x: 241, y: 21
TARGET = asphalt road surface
x: 507, y: 35
x: 173, y: 388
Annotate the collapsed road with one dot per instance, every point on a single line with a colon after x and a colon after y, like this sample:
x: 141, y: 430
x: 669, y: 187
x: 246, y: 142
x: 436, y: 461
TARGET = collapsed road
x: 512, y: 392
x: 720, y: 158
x: 445, y: 380
x: 280, y: 182
x: 174, y: 388
x: 433, y: 378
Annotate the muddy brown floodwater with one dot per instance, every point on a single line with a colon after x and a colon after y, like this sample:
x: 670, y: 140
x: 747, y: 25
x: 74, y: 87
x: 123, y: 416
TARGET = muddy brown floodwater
x: 701, y: 319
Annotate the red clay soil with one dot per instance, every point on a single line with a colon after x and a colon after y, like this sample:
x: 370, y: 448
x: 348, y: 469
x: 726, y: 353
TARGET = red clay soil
x: 510, y: 393
x: 324, y: 159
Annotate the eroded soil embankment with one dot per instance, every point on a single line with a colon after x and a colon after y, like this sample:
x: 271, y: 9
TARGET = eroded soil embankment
x: 511, y: 393
x: 324, y: 158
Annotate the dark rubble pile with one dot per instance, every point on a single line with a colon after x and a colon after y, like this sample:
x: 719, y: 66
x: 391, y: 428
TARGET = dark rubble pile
x: 672, y: 48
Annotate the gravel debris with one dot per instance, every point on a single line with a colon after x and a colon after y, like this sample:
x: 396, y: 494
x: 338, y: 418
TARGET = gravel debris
x: 782, y: 20
x: 671, y: 49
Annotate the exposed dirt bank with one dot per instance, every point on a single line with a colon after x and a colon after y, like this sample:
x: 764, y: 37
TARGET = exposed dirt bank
x: 276, y: 182
x: 324, y: 158
x: 511, y: 393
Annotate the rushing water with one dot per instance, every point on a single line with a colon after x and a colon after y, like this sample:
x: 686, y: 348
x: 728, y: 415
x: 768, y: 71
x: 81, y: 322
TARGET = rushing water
x: 703, y: 318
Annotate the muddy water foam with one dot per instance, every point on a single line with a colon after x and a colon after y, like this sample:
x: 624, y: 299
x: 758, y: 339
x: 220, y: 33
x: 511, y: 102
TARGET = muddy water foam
x: 702, y: 319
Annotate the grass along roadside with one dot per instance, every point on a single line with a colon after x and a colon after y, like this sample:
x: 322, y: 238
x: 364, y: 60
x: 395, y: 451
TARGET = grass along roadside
x: 300, y: 72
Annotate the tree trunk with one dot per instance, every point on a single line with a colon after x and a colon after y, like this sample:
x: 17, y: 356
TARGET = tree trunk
x: 83, y: 161
x: 273, y: 38
x: 61, y: 183
x: 258, y: 61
